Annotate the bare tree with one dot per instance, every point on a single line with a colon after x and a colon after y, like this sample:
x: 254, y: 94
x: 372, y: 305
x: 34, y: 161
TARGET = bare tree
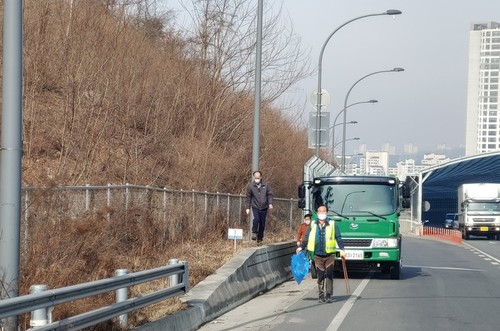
x: 223, y: 39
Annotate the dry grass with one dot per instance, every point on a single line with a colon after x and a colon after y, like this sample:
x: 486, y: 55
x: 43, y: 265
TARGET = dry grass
x: 91, y: 249
x: 110, y: 98
x: 109, y: 101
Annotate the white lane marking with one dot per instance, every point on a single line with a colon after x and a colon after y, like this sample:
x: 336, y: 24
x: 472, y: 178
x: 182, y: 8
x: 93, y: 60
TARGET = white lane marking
x: 341, y: 315
x: 494, y: 263
x: 442, y: 268
x: 480, y: 251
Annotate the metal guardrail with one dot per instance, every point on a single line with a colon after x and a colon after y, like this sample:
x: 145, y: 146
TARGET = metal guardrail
x: 47, y: 299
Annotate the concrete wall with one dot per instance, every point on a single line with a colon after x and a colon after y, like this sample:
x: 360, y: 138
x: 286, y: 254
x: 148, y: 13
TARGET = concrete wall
x: 251, y: 272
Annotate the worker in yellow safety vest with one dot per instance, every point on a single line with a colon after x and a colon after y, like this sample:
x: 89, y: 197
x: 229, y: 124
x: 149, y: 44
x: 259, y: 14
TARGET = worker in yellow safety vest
x: 321, y: 239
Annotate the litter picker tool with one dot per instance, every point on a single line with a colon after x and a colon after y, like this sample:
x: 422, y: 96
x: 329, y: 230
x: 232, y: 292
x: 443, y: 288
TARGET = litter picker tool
x: 346, y: 278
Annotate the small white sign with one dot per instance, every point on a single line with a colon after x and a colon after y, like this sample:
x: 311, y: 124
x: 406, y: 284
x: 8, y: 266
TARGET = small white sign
x: 235, y: 234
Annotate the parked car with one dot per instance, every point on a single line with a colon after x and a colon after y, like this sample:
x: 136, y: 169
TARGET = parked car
x: 451, y: 221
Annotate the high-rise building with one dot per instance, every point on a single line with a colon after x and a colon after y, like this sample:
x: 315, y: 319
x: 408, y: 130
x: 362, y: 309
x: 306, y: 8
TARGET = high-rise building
x: 410, y: 149
x: 483, y: 118
x: 377, y: 163
x: 389, y: 149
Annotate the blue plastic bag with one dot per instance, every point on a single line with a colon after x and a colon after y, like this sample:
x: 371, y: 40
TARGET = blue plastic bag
x: 300, y: 266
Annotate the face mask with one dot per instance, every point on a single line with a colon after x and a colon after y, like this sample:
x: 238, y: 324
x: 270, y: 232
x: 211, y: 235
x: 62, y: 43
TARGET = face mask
x: 322, y: 216
x: 307, y: 222
x: 257, y: 181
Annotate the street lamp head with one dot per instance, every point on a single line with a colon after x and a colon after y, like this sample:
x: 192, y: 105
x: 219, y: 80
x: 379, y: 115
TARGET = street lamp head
x: 393, y: 12
x: 372, y: 101
x: 398, y: 69
x: 356, y: 138
x: 353, y: 122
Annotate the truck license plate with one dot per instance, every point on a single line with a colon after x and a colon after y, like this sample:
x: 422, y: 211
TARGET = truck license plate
x: 483, y: 228
x: 354, y: 255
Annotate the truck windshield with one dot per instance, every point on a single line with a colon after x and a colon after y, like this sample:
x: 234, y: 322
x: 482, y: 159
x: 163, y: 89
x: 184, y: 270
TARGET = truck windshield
x: 484, y: 206
x: 356, y: 199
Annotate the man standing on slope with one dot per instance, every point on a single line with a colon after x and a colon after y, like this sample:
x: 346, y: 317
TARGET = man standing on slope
x: 260, y: 199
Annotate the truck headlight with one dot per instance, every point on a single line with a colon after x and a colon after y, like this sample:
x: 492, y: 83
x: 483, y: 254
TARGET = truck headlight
x: 385, y: 242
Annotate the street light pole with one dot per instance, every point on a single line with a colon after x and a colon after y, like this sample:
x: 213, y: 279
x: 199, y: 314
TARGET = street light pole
x: 332, y: 151
x: 320, y: 62
x: 345, y: 106
x: 340, y: 142
x: 343, y: 110
x: 258, y: 70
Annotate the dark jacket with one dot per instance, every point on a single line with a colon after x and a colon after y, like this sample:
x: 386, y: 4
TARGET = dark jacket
x: 320, y: 248
x: 259, y: 196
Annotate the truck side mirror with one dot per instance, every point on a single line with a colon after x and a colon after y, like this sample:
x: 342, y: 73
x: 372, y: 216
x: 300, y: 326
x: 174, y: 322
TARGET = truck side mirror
x: 301, y: 203
x: 406, y: 191
x: 301, y: 191
x: 406, y: 203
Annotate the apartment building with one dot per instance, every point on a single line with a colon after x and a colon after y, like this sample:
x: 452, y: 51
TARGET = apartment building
x: 483, y: 117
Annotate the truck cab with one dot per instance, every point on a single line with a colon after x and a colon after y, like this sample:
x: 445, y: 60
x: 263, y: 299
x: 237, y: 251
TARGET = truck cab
x: 479, y: 205
x: 366, y: 210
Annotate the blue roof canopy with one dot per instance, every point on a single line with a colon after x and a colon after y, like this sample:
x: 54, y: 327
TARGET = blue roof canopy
x: 440, y: 183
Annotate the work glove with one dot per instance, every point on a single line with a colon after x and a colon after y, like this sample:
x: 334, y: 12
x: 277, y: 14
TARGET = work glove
x: 298, y: 250
x: 248, y: 211
x: 298, y: 244
x: 342, y: 254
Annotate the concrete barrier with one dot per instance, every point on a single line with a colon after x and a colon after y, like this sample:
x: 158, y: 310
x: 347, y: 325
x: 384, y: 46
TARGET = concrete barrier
x: 410, y: 227
x: 252, y: 271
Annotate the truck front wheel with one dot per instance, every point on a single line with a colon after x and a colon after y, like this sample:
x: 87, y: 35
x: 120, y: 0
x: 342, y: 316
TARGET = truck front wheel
x: 395, y: 271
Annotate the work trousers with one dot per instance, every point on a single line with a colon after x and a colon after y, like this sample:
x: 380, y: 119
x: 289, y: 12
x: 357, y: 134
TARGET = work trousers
x: 259, y: 222
x: 324, y: 270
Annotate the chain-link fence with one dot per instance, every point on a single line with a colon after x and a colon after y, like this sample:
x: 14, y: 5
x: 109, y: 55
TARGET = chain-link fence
x: 173, y: 211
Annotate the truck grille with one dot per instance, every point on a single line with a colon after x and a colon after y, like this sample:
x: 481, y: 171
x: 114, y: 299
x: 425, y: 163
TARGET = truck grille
x: 354, y: 242
x: 483, y: 219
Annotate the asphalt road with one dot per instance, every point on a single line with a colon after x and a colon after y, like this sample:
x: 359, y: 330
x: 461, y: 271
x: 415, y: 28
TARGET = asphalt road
x: 443, y: 286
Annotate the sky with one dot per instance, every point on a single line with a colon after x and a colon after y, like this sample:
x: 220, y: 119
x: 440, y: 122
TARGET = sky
x: 426, y: 104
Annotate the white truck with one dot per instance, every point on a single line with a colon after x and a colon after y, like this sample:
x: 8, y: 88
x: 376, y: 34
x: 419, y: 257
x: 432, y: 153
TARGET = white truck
x: 479, y: 210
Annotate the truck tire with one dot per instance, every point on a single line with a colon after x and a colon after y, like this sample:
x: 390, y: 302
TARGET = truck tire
x: 395, y: 271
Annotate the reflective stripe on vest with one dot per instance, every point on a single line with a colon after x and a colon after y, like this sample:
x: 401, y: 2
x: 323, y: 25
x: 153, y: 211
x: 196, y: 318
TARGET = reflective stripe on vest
x: 329, y: 234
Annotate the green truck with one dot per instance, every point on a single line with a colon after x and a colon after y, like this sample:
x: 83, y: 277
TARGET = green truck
x: 366, y: 210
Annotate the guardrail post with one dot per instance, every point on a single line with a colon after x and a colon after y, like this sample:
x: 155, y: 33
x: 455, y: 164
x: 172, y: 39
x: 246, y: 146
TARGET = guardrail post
x: 39, y: 317
x: 173, y: 279
x: 121, y: 294
x: 185, y: 276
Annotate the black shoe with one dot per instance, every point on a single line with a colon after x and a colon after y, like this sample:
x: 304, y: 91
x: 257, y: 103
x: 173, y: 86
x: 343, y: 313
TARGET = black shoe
x: 329, y: 298
x: 259, y: 242
x: 254, y: 236
x: 322, y: 299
